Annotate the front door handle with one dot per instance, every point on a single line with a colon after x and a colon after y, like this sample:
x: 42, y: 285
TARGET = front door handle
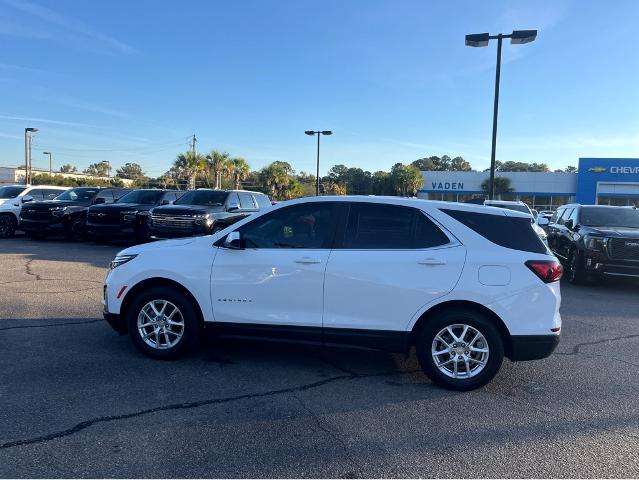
x: 432, y: 261
x: 307, y: 260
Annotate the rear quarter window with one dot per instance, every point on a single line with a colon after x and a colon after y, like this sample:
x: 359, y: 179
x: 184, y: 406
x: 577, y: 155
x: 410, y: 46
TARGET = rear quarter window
x: 510, y: 232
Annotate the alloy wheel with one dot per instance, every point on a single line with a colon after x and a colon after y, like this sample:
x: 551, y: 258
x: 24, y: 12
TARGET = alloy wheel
x: 160, y: 324
x: 460, y: 351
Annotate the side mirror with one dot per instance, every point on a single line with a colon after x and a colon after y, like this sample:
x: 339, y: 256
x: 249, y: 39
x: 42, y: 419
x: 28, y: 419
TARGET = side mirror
x: 234, y: 241
x: 27, y: 199
x: 98, y: 201
x: 166, y: 202
x: 542, y: 221
x: 233, y: 207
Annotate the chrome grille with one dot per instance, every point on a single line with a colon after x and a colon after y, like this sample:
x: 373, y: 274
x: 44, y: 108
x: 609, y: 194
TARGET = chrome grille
x: 103, y: 217
x: 624, y: 248
x: 172, y: 221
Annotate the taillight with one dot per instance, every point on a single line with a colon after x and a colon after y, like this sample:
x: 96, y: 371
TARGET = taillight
x: 548, y: 270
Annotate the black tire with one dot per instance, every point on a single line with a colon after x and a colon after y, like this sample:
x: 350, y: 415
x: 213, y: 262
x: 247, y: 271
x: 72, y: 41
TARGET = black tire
x: 190, y: 331
x: 576, y: 271
x: 76, y: 230
x: 460, y: 316
x: 8, y: 226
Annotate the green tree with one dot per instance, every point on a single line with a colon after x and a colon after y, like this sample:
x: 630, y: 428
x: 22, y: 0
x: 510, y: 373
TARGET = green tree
x: 571, y: 169
x: 458, y: 164
x: 187, y: 167
x: 131, y: 171
x: 406, y: 179
x: 100, y: 169
x: 241, y: 170
x: 68, y: 168
x: 276, y: 177
x: 219, y: 164
x: 381, y: 183
x: 502, y: 185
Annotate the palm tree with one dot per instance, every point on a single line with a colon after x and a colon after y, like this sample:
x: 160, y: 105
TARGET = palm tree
x: 189, y: 166
x: 240, y: 171
x: 218, y: 162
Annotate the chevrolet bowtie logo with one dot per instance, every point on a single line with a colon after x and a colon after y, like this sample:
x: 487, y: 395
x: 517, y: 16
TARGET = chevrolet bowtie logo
x: 597, y: 169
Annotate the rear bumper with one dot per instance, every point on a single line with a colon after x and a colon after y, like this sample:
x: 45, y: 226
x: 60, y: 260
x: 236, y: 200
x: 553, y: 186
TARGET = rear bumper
x: 532, y: 347
x: 116, y: 321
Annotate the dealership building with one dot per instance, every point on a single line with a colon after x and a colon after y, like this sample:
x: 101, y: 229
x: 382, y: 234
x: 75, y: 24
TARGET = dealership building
x: 599, y: 181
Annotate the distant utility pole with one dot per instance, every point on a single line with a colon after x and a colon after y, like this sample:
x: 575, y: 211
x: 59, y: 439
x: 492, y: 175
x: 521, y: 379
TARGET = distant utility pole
x: 193, y: 140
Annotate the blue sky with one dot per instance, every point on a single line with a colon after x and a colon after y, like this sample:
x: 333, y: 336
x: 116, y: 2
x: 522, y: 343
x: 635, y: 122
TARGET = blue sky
x: 130, y: 81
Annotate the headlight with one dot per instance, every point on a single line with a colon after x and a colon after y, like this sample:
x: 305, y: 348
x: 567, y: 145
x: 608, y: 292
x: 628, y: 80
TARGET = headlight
x: 202, y: 218
x: 594, y: 243
x: 121, y: 260
x: 57, y: 211
x: 129, y: 215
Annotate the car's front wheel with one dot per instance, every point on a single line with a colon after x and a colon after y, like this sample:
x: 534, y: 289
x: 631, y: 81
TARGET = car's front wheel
x: 460, y: 349
x: 76, y: 230
x: 576, y: 271
x: 163, y: 323
x: 7, y: 226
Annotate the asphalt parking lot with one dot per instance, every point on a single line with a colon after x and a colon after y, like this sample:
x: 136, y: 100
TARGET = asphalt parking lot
x: 77, y: 400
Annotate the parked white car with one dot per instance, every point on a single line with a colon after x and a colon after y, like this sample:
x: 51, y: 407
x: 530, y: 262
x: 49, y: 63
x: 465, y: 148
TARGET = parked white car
x: 12, y: 197
x: 464, y: 284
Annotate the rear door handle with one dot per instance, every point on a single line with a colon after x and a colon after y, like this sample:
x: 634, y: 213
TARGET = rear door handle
x: 432, y: 261
x: 307, y: 260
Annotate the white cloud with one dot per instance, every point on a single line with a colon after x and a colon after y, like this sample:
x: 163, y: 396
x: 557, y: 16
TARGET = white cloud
x: 77, y: 31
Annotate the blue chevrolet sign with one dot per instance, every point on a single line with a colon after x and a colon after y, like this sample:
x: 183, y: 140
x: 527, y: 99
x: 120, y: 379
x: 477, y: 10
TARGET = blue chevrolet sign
x: 609, y: 171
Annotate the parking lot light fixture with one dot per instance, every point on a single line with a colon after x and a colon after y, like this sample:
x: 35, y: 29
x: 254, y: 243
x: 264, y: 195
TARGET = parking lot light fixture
x: 517, y: 37
x: 319, y: 133
x: 28, y: 140
x: 50, y: 170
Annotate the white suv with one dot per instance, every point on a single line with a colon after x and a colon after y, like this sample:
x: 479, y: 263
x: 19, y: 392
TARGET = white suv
x: 12, y: 197
x: 464, y: 284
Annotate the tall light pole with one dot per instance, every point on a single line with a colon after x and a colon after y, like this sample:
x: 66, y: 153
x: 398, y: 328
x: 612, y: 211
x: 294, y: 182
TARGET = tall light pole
x: 481, y: 40
x: 319, y: 133
x: 50, y: 169
x: 28, y: 140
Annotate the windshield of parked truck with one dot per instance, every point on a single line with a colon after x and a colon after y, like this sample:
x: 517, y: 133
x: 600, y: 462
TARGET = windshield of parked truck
x: 609, y: 217
x: 145, y: 197
x: 78, y: 194
x: 209, y: 198
x: 11, y: 192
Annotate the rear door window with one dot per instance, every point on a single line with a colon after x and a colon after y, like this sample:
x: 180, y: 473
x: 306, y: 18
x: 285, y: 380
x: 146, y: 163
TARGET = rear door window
x: 374, y: 226
x: 509, y: 232
x: 262, y: 200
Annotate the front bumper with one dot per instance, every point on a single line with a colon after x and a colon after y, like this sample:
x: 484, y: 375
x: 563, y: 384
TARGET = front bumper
x: 100, y: 230
x: 41, y: 226
x: 160, y: 232
x: 532, y: 347
x: 116, y: 321
x: 597, y: 263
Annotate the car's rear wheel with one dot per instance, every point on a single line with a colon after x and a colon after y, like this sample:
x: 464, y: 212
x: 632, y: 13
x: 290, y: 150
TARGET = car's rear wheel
x: 163, y: 323
x: 460, y: 349
x: 7, y: 226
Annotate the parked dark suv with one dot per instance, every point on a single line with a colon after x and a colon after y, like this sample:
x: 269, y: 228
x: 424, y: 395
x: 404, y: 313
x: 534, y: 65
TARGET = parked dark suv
x: 205, y: 211
x: 128, y: 217
x: 596, y: 240
x: 66, y: 213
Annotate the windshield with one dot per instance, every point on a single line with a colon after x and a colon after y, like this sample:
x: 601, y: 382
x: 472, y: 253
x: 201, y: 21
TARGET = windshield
x: 209, y: 198
x: 516, y: 207
x: 78, y: 194
x: 11, y: 192
x: 609, y: 217
x: 149, y: 197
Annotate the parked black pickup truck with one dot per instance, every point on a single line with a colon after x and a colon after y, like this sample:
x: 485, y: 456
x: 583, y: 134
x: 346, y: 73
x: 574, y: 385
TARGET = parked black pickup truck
x: 205, y: 211
x: 66, y: 213
x: 128, y: 217
x: 596, y: 240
